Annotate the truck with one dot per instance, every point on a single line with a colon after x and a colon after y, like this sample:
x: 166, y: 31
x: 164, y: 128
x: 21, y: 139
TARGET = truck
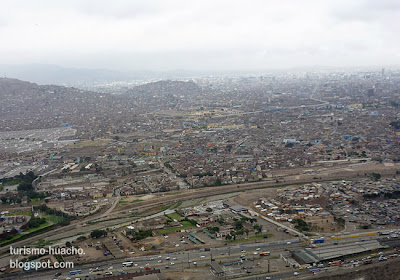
x: 320, y: 240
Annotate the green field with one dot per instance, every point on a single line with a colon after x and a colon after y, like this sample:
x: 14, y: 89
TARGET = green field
x: 54, y: 219
x: 22, y: 213
x: 174, y: 216
x: 185, y: 225
x: 11, y: 182
x: 137, y: 200
x: 166, y: 207
x: 260, y: 236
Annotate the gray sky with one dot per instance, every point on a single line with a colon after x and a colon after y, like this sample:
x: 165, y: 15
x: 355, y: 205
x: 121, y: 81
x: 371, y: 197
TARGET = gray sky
x: 200, y: 34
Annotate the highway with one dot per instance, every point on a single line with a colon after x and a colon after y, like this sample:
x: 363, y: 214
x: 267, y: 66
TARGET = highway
x: 186, y: 259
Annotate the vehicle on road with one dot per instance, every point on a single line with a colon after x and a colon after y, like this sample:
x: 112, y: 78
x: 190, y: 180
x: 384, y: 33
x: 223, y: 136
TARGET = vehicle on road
x: 74, y: 272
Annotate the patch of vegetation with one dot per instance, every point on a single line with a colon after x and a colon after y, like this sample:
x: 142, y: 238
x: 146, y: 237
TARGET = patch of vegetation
x: 250, y: 238
x: 97, y: 233
x: 141, y: 234
x: 136, y: 200
x: 375, y: 176
x: 175, y: 216
x: 38, y: 227
x: 21, y: 213
x: 166, y: 207
x: 185, y: 225
x: 301, y: 225
x: 35, y: 222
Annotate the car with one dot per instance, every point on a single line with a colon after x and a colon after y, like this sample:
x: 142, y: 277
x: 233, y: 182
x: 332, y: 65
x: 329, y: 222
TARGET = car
x: 57, y: 274
x: 166, y: 266
x: 109, y: 273
x: 174, y: 259
x: 222, y: 254
x: 172, y: 263
x: 151, y: 259
x: 176, y: 245
x: 255, y: 253
x: 296, y: 273
x: 68, y: 278
x: 160, y: 261
x: 243, y: 251
x: 141, y: 267
x: 159, y: 257
x: 189, y: 261
x: 258, y: 249
x: 202, y: 257
x: 195, y: 263
x: 111, y: 268
x: 268, y: 278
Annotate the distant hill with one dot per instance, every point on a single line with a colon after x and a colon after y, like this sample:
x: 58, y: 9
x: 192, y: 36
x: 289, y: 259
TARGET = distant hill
x: 26, y: 105
x: 166, y: 88
x: 51, y: 74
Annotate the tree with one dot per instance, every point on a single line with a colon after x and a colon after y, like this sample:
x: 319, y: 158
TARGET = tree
x: 218, y: 182
x: 375, y: 176
x: 258, y: 228
x: 97, y: 233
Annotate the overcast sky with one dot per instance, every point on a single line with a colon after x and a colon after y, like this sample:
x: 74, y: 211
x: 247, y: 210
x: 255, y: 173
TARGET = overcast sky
x: 200, y: 34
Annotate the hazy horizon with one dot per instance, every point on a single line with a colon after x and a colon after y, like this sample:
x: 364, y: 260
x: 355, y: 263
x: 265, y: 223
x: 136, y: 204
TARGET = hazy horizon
x: 200, y: 36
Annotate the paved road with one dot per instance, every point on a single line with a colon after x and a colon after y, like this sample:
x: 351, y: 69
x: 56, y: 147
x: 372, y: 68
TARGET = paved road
x: 179, y: 259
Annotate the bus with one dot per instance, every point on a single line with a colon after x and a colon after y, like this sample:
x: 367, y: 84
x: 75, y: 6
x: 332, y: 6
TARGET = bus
x: 127, y: 264
x: 74, y: 272
x: 265, y: 254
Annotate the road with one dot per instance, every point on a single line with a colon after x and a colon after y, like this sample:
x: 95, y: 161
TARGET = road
x: 183, y: 260
x: 179, y: 259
